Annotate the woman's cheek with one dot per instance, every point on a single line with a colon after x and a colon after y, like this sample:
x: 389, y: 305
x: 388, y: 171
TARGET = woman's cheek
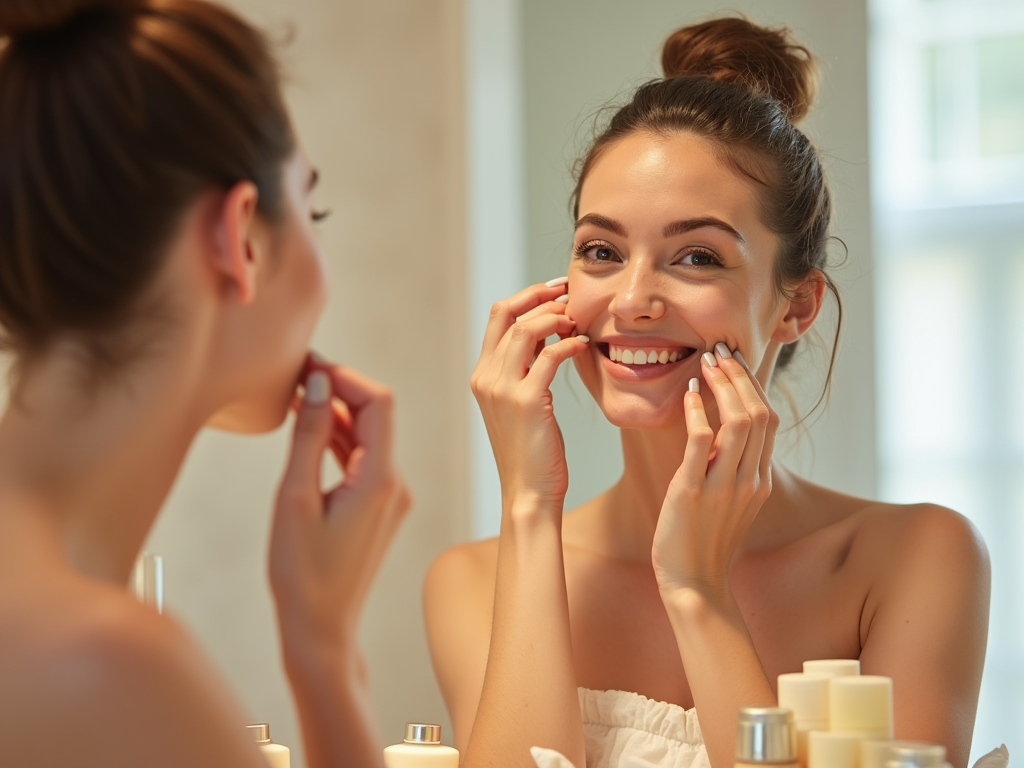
x: 583, y: 304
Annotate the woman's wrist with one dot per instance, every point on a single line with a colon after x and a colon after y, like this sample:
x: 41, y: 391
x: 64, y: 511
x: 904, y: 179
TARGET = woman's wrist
x: 526, y: 512
x: 690, y: 603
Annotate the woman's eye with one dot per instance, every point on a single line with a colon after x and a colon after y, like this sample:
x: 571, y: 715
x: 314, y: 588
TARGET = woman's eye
x: 318, y: 216
x: 597, y: 252
x: 699, y: 259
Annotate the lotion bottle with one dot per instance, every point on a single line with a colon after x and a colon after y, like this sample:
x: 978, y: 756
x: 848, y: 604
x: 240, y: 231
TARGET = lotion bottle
x: 422, y: 748
x: 276, y: 755
x: 807, y: 696
x: 862, y: 706
x: 765, y: 736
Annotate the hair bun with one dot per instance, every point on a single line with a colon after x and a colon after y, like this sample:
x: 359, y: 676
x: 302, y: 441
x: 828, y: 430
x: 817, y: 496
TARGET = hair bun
x: 735, y: 50
x: 26, y: 17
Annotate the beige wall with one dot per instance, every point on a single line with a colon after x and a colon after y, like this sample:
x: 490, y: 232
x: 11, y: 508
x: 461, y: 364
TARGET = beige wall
x: 376, y: 91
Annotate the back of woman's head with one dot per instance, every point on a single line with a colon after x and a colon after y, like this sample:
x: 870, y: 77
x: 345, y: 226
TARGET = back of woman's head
x: 115, y: 115
x: 742, y: 87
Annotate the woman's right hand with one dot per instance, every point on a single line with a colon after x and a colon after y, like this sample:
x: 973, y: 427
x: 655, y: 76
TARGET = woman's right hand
x: 511, y: 383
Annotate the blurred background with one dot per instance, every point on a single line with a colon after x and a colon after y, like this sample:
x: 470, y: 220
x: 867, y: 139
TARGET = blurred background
x: 444, y: 132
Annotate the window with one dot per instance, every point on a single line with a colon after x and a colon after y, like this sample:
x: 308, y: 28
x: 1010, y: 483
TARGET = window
x: 948, y: 188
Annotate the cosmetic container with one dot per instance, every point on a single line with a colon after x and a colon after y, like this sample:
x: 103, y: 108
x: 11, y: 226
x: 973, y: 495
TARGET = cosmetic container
x: 421, y: 748
x: 765, y: 736
x: 148, y: 580
x: 807, y: 696
x: 276, y: 755
x: 833, y: 750
x: 832, y: 667
x: 862, y: 706
x: 906, y: 754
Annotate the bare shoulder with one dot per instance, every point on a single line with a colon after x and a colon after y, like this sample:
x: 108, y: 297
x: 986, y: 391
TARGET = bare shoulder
x: 464, y: 571
x: 921, y: 533
x: 110, y: 677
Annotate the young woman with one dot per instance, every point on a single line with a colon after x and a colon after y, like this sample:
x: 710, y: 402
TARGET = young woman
x: 160, y: 273
x: 699, y: 260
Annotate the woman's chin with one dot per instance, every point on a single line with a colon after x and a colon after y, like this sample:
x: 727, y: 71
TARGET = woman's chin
x: 643, y: 414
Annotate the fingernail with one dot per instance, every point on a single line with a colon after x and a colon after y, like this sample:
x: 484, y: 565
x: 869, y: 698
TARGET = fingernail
x: 722, y: 350
x: 709, y: 360
x: 584, y: 339
x: 563, y: 299
x: 695, y: 385
x: 318, y: 388
x: 739, y: 359
x: 557, y: 282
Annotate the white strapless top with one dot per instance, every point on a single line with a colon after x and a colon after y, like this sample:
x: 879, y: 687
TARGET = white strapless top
x: 627, y: 730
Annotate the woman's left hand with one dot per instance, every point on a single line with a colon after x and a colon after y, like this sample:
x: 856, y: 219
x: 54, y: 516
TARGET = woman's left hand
x: 721, y: 484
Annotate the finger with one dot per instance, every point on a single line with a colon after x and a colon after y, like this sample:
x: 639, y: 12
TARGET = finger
x: 735, y: 422
x: 548, y: 307
x: 699, y: 440
x: 773, y: 420
x: 756, y: 408
x: 504, y: 313
x: 371, y: 406
x: 543, y: 371
x: 523, y: 341
x: 310, y: 438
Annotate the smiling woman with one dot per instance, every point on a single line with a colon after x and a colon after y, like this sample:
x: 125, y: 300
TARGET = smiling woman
x: 699, y: 258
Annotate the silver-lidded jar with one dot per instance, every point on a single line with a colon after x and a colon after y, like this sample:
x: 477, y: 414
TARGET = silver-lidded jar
x: 913, y: 755
x: 766, y: 736
x: 422, y: 733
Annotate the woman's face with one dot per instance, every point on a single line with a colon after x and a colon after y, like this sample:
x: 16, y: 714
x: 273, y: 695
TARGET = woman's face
x: 270, y: 339
x: 669, y: 258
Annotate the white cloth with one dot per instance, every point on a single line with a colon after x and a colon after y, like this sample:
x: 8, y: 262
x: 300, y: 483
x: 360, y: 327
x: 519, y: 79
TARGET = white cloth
x: 627, y: 730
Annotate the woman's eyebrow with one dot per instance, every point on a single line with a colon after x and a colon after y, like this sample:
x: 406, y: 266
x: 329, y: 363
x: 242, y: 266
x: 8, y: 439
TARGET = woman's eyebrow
x: 688, y: 225
x: 603, y: 222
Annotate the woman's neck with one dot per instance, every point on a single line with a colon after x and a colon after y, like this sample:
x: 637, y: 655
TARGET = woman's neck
x: 100, y: 459
x: 651, y: 458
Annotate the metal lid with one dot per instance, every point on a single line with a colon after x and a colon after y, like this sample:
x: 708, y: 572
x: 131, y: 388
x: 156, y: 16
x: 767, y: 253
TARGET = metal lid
x: 260, y: 732
x: 911, y: 755
x: 422, y: 733
x: 765, y: 735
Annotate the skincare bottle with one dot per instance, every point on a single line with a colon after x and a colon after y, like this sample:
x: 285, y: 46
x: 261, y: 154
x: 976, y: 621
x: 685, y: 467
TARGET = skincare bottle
x: 807, y: 696
x: 862, y: 706
x: 148, y: 580
x: 833, y: 750
x: 832, y: 667
x: 422, y: 748
x: 907, y: 754
x: 765, y: 736
x: 276, y: 755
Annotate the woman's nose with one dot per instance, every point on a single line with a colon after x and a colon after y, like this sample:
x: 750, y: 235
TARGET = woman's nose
x: 637, y: 294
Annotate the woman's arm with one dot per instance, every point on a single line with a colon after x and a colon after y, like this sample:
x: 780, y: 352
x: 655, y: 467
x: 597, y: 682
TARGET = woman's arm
x: 528, y: 693
x: 325, y: 551
x: 925, y: 622
x: 711, y: 502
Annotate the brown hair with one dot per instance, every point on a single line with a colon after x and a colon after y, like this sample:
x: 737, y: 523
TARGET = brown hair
x: 742, y: 86
x: 115, y: 115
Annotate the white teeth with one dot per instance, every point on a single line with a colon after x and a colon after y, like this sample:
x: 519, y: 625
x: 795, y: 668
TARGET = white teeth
x: 643, y: 357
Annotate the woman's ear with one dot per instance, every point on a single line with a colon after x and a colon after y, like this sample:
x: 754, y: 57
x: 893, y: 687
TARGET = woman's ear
x: 802, y: 304
x: 236, y: 251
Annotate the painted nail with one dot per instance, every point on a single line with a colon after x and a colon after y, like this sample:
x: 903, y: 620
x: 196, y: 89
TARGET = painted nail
x: 709, y: 360
x: 695, y: 385
x: 563, y: 299
x: 557, y: 282
x: 318, y: 388
x: 723, y: 351
x: 739, y: 359
x: 584, y: 339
